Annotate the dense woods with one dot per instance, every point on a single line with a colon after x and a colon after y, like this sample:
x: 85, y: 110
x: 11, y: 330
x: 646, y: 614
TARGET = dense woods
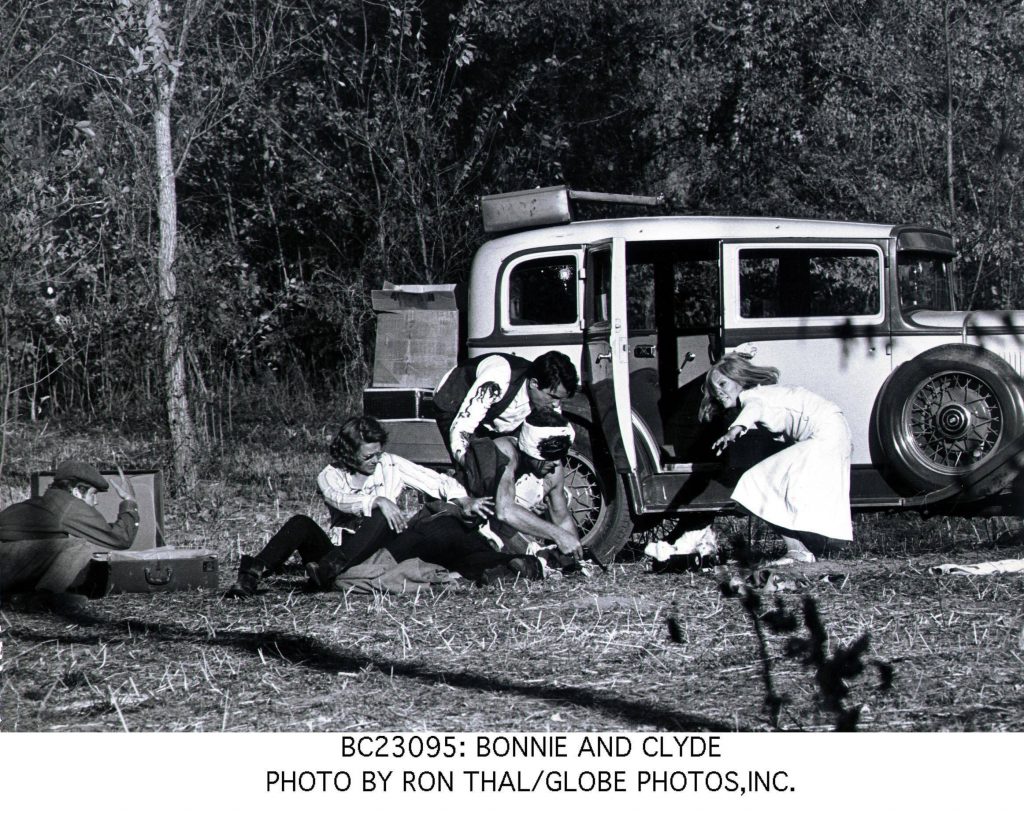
x: 198, y: 195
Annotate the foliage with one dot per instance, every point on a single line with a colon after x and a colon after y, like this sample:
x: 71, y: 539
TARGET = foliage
x: 325, y: 146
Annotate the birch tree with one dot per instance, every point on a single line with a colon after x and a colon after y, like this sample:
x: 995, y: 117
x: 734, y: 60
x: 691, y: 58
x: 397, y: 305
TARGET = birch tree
x: 143, y: 28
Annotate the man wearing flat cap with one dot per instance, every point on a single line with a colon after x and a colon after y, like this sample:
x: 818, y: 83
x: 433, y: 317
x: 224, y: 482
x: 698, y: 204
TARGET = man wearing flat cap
x: 46, y: 542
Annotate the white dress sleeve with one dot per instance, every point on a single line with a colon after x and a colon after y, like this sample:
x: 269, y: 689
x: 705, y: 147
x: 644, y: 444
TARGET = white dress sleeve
x: 751, y: 411
x: 493, y: 377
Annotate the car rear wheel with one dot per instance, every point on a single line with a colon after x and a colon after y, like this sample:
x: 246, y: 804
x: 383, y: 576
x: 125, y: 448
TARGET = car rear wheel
x: 947, y: 412
x: 597, y: 499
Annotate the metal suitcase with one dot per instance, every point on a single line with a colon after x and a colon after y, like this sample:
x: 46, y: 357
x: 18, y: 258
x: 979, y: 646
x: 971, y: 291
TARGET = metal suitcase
x: 160, y: 570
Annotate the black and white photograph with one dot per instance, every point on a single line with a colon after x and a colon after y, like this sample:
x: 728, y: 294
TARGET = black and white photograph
x: 570, y: 374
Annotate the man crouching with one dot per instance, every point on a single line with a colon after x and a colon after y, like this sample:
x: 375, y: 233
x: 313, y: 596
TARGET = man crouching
x: 525, y: 474
x: 46, y: 542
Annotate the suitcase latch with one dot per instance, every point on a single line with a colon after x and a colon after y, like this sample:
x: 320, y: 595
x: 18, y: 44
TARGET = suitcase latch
x: 157, y: 577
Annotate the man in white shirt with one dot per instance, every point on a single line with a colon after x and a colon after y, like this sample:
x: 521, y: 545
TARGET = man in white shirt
x: 491, y: 396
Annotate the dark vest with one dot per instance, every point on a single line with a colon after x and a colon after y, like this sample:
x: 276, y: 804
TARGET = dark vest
x: 450, y: 395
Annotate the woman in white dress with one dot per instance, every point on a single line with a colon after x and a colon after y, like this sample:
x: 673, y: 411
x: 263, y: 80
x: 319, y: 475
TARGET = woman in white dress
x: 802, y: 491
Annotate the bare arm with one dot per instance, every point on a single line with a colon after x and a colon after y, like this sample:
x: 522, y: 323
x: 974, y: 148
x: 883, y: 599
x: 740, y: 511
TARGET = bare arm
x: 557, y: 505
x: 509, y: 511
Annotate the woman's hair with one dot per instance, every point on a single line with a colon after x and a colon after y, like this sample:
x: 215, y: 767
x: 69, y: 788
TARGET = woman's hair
x: 354, y: 433
x: 739, y: 369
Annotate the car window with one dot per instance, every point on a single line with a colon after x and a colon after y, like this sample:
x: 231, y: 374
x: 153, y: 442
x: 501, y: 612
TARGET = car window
x: 924, y: 282
x: 679, y: 278
x: 599, y: 286
x: 543, y: 291
x: 802, y: 282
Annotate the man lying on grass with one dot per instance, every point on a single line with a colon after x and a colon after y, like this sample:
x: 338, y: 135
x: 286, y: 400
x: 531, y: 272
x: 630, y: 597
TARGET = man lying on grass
x: 363, y: 483
x: 46, y: 542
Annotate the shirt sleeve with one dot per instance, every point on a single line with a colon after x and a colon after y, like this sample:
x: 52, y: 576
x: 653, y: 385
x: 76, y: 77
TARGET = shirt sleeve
x: 493, y: 377
x: 427, y: 481
x: 751, y: 412
x: 338, y: 494
x: 83, y: 521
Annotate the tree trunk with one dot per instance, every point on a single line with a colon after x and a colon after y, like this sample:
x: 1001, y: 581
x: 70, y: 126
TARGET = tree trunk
x: 179, y: 418
x: 950, y: 169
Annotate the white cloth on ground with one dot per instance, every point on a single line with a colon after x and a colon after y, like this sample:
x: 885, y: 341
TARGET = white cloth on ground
x: 702, y: 541
x: 806, y: 486
x: 980, y: 568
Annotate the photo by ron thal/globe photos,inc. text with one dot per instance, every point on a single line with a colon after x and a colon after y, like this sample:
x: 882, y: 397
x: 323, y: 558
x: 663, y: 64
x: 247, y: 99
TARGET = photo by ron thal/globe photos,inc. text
x: 549, y: 763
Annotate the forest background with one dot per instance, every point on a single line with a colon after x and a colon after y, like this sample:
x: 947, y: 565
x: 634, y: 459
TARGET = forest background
x: 197, y: 196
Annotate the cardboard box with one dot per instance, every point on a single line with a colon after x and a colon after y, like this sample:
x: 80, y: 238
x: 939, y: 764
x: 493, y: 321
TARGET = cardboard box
x: 417, y: 335
x: 418, y: 440
x: 161, y: 570
x: 148, y: 487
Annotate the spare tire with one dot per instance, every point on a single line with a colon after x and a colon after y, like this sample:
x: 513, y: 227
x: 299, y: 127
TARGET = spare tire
x: 945, y: 413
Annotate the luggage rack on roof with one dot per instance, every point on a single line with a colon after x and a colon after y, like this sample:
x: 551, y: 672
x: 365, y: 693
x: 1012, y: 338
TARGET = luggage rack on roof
x: 546, y: 206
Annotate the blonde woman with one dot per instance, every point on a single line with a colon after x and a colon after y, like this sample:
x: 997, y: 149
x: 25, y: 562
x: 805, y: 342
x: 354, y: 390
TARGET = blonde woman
x: 803, y: 491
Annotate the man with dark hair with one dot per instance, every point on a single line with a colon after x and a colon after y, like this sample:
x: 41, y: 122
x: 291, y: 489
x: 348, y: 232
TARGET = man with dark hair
x: 362, y: 486
x: 491, y: 396
x: 526, y: 475
x: 46, y: 542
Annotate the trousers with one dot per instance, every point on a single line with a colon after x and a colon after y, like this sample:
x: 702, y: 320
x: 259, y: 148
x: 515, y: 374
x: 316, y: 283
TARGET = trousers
x: 440, y: 539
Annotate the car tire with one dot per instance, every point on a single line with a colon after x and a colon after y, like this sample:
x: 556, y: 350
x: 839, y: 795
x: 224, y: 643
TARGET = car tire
x: 945, y: 413
x: 597, y: 498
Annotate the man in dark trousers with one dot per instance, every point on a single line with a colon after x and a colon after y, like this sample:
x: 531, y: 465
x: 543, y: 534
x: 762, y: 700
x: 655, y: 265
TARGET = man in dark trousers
x: 46, y: 542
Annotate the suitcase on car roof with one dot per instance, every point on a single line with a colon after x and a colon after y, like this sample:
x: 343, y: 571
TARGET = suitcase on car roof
x: 160, y: 570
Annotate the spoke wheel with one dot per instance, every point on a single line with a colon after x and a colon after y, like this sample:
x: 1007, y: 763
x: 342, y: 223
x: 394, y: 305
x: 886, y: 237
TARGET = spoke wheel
x: 954, y: 420
x: 597, y: 499
x: 945, y: 414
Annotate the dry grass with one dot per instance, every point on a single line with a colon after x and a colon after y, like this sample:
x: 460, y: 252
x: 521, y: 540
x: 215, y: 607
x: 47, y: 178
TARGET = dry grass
x: 579, y: 654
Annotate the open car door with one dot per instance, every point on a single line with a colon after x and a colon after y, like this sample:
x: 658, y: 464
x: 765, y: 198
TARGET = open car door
x: 606, y: 348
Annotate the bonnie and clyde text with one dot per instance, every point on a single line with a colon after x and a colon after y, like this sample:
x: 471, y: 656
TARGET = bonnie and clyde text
x: 657, y: 763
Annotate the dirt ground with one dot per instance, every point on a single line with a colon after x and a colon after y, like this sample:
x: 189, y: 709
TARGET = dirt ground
x: 626, y: 650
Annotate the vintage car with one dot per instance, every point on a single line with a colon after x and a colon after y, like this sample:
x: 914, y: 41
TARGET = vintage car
x: 865, y: 314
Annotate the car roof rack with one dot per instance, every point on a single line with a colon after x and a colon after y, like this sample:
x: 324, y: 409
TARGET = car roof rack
x: 546, y: 206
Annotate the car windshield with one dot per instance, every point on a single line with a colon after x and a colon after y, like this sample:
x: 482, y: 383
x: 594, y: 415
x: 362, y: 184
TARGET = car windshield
x: 925, y: 281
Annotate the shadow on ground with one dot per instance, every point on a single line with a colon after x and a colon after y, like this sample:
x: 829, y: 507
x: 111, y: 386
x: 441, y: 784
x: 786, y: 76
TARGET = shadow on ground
x: 309, y: 653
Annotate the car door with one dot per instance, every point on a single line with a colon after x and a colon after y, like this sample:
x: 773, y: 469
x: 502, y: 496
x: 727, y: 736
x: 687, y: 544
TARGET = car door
x: 817, y: 311
x: 606, y: 347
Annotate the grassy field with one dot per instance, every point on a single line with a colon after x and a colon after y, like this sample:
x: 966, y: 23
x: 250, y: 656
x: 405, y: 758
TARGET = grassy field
x: 626, y: 650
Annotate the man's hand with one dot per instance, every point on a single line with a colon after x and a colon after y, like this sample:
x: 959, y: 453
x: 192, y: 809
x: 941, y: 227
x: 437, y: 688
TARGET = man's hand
x: 568, y: 543
x: 391, y: 513
x: 482, y: 507
x: 125, y: 490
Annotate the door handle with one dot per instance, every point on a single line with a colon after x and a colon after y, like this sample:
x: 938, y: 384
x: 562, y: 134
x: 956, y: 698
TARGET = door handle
x: 603, y: 357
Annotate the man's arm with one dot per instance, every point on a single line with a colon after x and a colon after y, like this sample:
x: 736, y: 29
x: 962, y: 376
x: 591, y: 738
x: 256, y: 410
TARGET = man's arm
x: 493, y: 377
x: 83, y: 521
x: 558, y: 507
x: 510, y: 512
